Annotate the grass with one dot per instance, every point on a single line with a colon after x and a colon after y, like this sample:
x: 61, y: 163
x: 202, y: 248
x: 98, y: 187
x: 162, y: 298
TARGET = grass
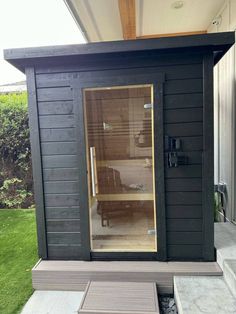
x: 18, y: 253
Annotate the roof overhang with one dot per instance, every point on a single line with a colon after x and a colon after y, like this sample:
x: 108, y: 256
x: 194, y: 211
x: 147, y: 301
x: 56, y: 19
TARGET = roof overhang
x: 109, y: 20
x: 217, y: 43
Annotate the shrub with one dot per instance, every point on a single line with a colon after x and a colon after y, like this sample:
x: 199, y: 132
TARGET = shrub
x: 15, y: 158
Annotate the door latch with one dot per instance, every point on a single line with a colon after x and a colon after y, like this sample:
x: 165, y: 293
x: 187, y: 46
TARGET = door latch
x: 173, y: 146
x: 175, y: 160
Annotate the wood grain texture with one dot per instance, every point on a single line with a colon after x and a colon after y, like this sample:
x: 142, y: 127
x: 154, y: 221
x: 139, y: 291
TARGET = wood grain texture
x: 36, y: 162
x: 58, y: 252
x: 185, y: 252
x: 174, y: 68
x: 184, y: 238
x: 159, y: 170
x: 184, y: 224
x: 191, y: 100
x: 56, y: 121
x: 57, y: 135
x: 184, y: 129
x: 75, y: 275
x: 61, y: 126
x: 55, y: 107
x: 54, y: 94
x: 58, y: 148
x: 208, y: 159
x: 187, y: 115
x: 59, y: 161
x: 62, y: 199
x: 61, y: 174
x: 63, y: 238
x: 172, y: 34
x: 218, y: 42
x: 184, y: 198
x: 184, y: 185
x: 61, y: 187
x: 128, y: 18
x: 188, y: 171
x: 68, y: 212
x: 63, y: 225
x: 121, y: 297
x: 184, y: 211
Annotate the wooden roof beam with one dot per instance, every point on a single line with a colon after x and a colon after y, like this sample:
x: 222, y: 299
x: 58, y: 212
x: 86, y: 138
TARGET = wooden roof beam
x: 172, y: 34
x: 128, y: 18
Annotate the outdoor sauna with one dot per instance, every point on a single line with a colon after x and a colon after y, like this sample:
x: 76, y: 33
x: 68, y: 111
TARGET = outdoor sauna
x: 122, y: 147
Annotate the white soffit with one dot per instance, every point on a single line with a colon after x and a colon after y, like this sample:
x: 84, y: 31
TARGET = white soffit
x: 101, y: 18
x: 158, y: 16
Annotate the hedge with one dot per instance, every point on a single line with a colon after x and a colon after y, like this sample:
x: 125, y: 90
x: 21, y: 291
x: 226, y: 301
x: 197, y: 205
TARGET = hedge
x: 15, y: 160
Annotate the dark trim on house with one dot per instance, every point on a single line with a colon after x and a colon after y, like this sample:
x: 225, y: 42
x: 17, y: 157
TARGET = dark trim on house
x: 82, y: 169
x: 36, y: 162
x: 218, y: 43
x: 159, y: 166
x: 208, y: 159
x: 125, y: 256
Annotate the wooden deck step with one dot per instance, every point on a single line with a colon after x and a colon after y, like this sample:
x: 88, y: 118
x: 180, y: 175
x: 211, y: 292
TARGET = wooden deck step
x: 105, y: 297
x: 75, y: 275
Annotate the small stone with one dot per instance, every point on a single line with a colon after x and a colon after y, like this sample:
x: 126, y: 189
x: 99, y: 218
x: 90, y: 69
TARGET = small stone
x: 167, y: 305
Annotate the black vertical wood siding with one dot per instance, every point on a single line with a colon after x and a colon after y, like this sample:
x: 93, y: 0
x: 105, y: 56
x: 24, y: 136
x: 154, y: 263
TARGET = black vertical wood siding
x: 183, y: 118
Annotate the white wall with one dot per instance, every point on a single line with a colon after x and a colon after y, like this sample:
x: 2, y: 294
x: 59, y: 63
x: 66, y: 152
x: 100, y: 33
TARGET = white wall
x: 224, y: 106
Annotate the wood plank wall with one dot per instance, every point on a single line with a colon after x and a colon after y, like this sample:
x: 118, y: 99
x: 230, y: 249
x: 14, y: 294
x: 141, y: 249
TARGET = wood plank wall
x: 183, y: 118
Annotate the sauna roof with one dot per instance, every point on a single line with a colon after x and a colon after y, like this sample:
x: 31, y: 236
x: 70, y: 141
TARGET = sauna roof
x: 218, y: 43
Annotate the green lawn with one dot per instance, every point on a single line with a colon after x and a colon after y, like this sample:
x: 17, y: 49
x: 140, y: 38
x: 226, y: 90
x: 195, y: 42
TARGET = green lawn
x: 18, y: 253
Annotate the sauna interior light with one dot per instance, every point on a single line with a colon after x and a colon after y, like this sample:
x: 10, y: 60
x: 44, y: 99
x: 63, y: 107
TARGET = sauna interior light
x: 177, y: 4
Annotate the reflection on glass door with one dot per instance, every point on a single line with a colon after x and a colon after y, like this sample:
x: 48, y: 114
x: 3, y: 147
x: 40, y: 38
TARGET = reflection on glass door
x: 119, y: 124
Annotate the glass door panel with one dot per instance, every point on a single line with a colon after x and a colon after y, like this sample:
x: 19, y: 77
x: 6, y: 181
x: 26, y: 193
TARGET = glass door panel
x: 119, y: 135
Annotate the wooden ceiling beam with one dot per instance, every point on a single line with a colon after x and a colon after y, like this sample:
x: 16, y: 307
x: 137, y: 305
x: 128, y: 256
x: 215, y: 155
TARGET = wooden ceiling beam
x: 172, y: 34
x: 128, y: 18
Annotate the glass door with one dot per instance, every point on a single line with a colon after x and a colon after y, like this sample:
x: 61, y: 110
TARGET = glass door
x: 120, y: 160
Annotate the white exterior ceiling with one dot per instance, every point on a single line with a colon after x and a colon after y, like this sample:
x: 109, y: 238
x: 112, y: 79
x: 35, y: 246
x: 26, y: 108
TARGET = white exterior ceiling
x: 101, y: 18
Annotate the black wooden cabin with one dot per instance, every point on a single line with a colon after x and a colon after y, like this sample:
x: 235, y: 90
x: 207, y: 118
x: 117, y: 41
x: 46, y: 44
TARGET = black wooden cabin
x: 122, y: 147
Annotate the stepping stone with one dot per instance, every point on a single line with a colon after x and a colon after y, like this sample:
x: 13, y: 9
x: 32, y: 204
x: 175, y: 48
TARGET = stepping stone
x: 208, y: 295
x: 53, y: 302
x: 120, y: 298
x: 229, y: 267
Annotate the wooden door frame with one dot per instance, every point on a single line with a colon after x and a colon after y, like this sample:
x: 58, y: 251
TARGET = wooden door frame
x: 109, y: 79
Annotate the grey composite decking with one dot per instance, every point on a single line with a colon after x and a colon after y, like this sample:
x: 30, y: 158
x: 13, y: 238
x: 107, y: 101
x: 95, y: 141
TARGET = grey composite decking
x: 75, y: 275
x: 105, y: 297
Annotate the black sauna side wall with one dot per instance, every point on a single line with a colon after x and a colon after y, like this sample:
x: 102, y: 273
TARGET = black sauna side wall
x: 183, y: 118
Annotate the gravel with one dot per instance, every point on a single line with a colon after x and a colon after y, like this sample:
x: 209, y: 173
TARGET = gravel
x: 167, y: 305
